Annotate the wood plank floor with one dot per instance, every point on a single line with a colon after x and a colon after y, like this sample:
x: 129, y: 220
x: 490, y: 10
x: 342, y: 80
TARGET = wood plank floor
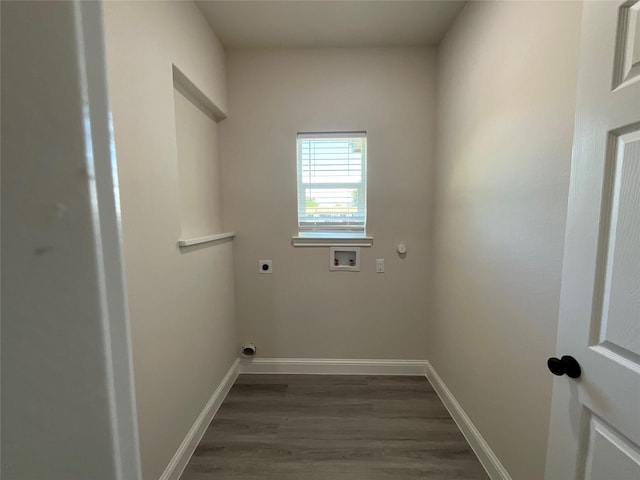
x: 326, y: 427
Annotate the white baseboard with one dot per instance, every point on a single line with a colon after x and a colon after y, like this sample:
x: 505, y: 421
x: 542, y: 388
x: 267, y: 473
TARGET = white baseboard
x: 332, y: 366
x: 488, y: 459
x: 179, y: 461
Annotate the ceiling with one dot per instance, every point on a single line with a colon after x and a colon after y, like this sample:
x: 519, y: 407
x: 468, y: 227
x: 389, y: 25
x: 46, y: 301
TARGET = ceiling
x: 346, y: 23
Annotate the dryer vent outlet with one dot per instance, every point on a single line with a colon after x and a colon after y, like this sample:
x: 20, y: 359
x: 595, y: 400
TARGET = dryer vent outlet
x: 249, y: 350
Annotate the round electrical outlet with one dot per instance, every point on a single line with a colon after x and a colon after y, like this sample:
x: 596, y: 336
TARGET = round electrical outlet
x: 265, y: 266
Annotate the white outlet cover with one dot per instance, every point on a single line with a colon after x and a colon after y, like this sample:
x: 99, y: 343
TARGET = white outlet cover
x: 265, y: 266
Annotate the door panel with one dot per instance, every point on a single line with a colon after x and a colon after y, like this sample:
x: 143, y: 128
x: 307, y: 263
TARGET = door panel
x: 627, y: 65
x: 595, y: 420
x: 610, y: 457
x: 618, y: 283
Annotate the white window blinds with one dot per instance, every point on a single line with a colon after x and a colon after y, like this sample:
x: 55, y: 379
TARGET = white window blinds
x: 332, y: 182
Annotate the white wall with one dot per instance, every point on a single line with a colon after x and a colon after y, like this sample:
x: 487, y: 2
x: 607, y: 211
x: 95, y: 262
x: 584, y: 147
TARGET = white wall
x: 302, y: 310
x: 181, y: 302
x: 506, y: 88
x: 68, y: 408
x: 198, y: 169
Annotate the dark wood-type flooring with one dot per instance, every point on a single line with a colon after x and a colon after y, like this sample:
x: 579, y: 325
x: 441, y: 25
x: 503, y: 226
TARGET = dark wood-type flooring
x: 326, y: 427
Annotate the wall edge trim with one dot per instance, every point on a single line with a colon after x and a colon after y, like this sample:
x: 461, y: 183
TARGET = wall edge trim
x: 478, y: 444
x: 332, y: 366
x: 181, y: 458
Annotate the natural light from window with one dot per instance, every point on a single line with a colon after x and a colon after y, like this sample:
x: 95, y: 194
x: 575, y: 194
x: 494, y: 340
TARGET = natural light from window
x: 332, y: 187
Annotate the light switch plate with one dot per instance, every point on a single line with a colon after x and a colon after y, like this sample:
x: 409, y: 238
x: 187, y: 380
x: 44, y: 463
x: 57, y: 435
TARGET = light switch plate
x: 380, y: 265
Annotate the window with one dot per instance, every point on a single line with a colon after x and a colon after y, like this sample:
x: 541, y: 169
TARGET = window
x: 332, y: 184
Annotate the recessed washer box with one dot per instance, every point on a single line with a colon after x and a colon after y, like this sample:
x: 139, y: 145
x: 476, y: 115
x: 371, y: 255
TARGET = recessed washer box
x: 344, y: 259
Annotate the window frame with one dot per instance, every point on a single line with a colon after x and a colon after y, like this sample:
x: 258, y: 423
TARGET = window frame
x: 340, y: 233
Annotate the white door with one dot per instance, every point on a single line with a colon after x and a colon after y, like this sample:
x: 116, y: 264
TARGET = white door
x: 595, y: 419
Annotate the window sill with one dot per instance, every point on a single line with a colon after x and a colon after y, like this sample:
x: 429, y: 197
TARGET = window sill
x: 331, y: 240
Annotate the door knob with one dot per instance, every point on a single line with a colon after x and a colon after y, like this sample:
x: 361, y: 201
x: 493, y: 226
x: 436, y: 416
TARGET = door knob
x: 565, y: 365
